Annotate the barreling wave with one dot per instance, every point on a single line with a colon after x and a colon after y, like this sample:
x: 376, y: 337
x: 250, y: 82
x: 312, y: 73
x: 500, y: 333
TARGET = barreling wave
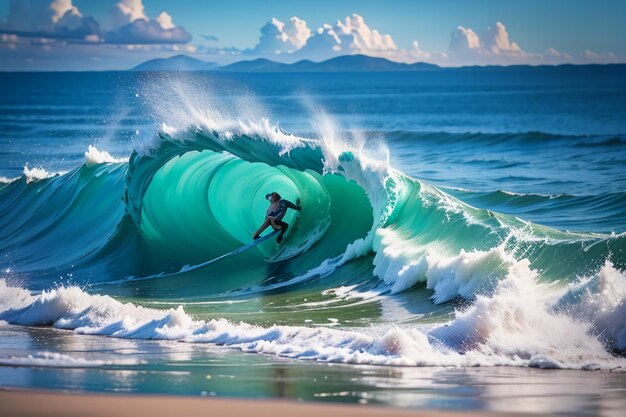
x: 196, y: 193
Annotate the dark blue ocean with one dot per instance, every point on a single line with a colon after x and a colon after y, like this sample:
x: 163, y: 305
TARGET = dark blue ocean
x: 451, y: 219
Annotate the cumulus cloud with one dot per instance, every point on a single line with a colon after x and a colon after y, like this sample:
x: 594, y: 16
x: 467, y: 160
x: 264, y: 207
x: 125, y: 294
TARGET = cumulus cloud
x: 350, y: 36
x: 492, y: 47
x: 127, y: 11
x: 599, y: 58
x: 294, y: 40
x: 358, y: 36
x: 45, y: 30
x: 35, y: 16
x: 132, y: 26
x: 278, y: 37
x: 498, y: 40
x: 464, y: 40
x: 417, y: 54
x: 60, y: 19
x: 495, y: 47
x: 48, y: 18
x: 140, y: 31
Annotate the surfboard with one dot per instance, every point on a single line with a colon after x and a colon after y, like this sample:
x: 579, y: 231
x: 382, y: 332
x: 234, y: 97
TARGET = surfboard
x: 244, y: 248
x: 188, y: 268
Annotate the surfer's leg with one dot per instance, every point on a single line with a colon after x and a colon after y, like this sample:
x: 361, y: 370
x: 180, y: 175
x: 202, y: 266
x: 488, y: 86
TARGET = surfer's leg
x: 263, y: 227
x: 275, y: 223
x: 283, y: 228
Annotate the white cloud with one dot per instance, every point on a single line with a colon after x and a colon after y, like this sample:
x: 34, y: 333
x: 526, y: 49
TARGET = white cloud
x: 147, y: 32
x: 127, y: 11
x: 417, y: 54
x: 494, y: 47
x: 350, y: 36
x: 59, y: 8
x: 361, y: 38
x: 58, y: 19
x: 293, y: 40
x: 165, y: 20
x: 599, y: 58
x: 132, y: 26
x: 497, y: 40
x: 35, y: 16
x: 278, y: 37
x: 464, y: 41
x: 43, y: 30
x: 297, y: 31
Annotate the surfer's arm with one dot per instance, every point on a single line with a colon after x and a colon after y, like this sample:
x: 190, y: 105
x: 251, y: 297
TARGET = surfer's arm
x: 290, y: 205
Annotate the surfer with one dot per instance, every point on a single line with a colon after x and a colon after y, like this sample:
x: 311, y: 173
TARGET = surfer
x: 274, y: 215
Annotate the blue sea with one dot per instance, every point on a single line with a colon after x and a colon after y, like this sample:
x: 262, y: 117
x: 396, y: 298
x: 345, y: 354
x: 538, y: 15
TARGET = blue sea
x: 461, y: 244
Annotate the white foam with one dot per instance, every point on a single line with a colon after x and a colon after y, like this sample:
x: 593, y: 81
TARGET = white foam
x: 518, y: 321
x: 183, y: 104
x: 514, y: 327
x: 13, y: 297
x: 7, y: 180
x: 403, y: 263
x: 601, y: 300
x: 93, y: 156
x: 59, y: 360
x: 38, y: 173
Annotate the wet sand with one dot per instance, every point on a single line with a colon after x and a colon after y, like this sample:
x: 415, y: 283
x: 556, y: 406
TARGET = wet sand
x: 49, y: 404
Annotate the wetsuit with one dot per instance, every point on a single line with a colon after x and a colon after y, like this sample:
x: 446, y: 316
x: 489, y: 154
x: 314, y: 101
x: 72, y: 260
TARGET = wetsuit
x: 278, y: 214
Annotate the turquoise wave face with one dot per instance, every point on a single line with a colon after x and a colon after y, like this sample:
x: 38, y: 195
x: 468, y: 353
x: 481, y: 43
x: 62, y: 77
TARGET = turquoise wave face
x: 201, y: 194
x: 202, y: 205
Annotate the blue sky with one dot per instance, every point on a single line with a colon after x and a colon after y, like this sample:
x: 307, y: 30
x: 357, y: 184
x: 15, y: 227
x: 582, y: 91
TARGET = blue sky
x: 492, y: 32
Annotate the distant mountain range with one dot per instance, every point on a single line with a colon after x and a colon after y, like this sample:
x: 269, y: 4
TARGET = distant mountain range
x: 345, y: 63
x: 175, y: 63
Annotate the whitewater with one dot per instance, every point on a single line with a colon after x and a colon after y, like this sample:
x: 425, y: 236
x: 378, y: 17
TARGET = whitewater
x: 380, y: 268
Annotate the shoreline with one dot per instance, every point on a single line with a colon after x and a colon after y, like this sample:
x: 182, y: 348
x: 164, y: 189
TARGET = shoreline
x: 30, y: 403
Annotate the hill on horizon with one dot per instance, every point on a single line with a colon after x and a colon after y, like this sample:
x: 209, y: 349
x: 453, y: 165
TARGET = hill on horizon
x: 175, y: 63
x: 343, y: 63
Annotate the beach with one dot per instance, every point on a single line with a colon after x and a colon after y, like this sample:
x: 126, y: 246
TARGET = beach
x: 49, y: 404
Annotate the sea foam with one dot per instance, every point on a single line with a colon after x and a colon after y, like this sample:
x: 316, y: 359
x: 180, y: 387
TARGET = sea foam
x: 523, y: 323
x: 95, y: 156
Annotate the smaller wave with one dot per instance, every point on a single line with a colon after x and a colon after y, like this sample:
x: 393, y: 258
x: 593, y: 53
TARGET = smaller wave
x: 38, y: 173
x: 545, y: 196
x: 95, y: 156
x: 611, y: 142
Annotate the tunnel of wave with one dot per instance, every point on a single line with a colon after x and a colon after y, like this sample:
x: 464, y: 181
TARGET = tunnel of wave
x: 203, y: 204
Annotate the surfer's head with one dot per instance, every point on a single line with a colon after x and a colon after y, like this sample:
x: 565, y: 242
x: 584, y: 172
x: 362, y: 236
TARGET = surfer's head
x: 273, y: 197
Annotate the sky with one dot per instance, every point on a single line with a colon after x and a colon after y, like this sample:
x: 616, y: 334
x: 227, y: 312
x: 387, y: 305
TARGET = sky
x: 119, y: 34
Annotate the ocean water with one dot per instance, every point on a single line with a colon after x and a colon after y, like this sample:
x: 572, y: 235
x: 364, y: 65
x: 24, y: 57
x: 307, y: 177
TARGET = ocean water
x: 451, y: 220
